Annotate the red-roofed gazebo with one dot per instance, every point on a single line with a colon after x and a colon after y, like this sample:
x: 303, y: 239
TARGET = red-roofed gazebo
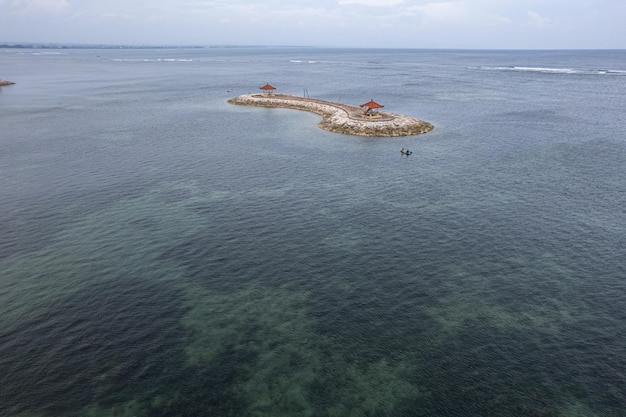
x: 267, y: 88
x: 371, y: 105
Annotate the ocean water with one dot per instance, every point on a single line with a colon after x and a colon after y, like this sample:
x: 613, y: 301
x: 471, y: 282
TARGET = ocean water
x: 164, y: 253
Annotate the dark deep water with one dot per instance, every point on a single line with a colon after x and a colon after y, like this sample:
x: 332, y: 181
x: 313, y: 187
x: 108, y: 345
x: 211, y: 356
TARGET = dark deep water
x: 163, y: 253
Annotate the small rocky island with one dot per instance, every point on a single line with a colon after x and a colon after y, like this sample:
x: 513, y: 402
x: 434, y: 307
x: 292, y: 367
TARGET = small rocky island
x: 5, y: 82
x: 364, y: 120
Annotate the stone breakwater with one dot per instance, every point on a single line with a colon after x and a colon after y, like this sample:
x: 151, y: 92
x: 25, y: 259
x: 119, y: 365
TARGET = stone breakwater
x: 341, y: 118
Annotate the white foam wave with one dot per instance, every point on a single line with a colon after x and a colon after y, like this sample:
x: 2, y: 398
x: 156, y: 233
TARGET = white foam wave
x: 46, y: 53
x: 174, y: 60
x: 548, y: 70
x: 551, y: 70
x: 151, y: 60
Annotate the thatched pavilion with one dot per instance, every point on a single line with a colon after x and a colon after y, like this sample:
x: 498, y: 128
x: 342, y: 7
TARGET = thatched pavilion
x: 268, y: 89
x: 371, y: 108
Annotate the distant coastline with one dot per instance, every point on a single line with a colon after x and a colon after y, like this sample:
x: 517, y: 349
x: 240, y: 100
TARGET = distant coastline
x: 341, y: 118
x: 26, y: 45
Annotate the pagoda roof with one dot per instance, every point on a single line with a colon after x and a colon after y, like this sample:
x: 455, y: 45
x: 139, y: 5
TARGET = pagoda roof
x: 372, y: 105
x: 267, y: 87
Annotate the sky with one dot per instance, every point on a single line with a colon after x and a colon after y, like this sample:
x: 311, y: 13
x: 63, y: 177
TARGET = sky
x: 464, y: 24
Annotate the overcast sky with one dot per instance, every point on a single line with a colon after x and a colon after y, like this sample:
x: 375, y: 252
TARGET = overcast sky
x: 528, y: 24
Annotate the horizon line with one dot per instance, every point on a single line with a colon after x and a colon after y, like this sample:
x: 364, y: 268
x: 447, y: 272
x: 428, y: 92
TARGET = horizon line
x: 78, y: 45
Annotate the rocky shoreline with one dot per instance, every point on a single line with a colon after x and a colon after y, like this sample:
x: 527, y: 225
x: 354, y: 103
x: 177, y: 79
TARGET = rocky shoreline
x: 4, y: 82
x: 341, y: 118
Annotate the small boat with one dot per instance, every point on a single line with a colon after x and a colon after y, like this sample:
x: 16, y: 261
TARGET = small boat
x: 405, y: 152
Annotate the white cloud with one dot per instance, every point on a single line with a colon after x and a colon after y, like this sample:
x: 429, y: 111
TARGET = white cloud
x: 441, y: 11
x: 115, y: 16
x: 372, y: 3
x: 495, y: 20
x: 39, y: 6
x: 536, y: 20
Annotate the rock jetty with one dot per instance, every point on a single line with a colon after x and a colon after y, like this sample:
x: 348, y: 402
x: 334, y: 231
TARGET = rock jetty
x: 341, y: 118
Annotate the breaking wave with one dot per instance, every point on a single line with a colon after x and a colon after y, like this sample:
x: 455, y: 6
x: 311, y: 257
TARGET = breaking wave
x: 151, y: 60
x: 547, y: 70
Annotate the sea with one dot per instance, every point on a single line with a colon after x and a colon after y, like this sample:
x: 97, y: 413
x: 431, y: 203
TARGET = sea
x: 165, y: 253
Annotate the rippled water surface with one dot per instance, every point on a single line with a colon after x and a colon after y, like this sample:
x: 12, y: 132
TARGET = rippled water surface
x: 163, y: 253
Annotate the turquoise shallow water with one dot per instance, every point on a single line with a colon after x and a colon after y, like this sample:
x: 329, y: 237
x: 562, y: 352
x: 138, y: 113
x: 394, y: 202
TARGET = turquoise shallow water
x: 163, y: 253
